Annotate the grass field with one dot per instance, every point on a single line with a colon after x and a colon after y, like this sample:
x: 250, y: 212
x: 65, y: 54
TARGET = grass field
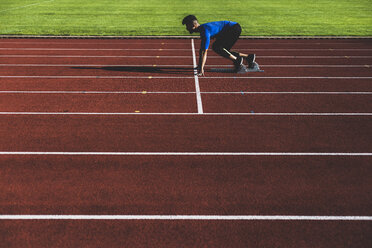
x: 163, y: 17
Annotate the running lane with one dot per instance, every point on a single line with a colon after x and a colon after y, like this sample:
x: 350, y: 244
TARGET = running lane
x: 238, y: 102
x: 171, y: 70
x: 185, y: 185
x: 295, y: 84
x: 100, y: 233
x: 214, y: 184
x: 98, y: 102
x: 185, y: 133
x: 213, y: 59
x: 117, y: 85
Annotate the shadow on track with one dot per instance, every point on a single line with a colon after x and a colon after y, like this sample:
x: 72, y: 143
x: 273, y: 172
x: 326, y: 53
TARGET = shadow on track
x: 144, y: 69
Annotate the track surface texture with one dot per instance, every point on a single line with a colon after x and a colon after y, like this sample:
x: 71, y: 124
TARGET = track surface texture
x: 116, y: 143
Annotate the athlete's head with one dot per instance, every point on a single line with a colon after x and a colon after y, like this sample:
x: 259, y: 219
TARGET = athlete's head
x: 191, y: 23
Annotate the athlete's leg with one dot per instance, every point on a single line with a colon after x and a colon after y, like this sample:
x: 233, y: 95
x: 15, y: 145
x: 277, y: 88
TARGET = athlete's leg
x: 228, y: 39
x: 225, y: 41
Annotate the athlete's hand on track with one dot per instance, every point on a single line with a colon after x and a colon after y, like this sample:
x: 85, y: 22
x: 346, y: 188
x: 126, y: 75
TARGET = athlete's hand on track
x: 200, y: 72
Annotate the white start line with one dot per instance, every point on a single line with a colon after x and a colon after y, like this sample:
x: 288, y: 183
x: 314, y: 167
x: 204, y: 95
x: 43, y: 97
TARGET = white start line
x: 197, y: 87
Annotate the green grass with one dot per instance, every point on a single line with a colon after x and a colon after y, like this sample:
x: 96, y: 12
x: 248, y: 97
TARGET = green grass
x: 163, y: 17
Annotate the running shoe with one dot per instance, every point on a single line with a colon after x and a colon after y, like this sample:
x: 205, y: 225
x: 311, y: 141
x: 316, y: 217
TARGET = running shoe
x: 250, y: 60
x: 241, y: 69
x: 238, y: 62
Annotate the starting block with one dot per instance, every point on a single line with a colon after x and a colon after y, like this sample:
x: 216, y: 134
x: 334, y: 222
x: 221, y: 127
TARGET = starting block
x: 256, y: 68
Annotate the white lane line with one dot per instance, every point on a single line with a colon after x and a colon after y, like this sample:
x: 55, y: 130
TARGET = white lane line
x: 189, y: 217
x: 294, y: 92
x: 175, y: 66
x: 186, y: 114
x: 164, y: 77
x: 97, y: 77
x: 89, y: 49
x: 98, y: 65
x: 320, y: 66
x: 25, y: 6
x: 184, y: 92
x: 304, y: 77
x: 176, y: 49
x: 315, y: 57
x: 170, y: 56
x: 190, y: 153
x: 160, y: 42
x: 128, y: 42
x: 95, y: 92
x: 94, y: 56
x: 197, y: 88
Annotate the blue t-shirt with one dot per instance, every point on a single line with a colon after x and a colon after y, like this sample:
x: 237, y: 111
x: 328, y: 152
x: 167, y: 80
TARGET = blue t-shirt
x: 210, y: 29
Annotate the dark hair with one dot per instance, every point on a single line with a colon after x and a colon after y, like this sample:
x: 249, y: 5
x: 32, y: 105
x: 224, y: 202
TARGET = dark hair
x: 189, y: 19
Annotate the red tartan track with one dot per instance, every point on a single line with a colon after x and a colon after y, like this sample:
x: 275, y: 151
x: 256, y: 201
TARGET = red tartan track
x: 293, y: 141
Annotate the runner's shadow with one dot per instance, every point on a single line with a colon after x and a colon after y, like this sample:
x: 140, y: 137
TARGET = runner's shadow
x: 143, y: 69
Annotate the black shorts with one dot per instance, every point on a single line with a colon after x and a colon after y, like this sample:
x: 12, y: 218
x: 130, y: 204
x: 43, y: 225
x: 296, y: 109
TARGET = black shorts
x: 226, y: 40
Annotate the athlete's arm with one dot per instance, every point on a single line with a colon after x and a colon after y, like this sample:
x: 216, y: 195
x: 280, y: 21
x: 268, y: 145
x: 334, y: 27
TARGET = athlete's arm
x: 204, y: 45
x: 202, y: 60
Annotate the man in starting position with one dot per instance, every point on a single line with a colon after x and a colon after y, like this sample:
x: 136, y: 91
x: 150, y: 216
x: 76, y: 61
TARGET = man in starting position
x: 226, y: 34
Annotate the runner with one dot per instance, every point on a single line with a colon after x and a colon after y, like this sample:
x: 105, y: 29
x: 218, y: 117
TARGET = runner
x: 226, y: 34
